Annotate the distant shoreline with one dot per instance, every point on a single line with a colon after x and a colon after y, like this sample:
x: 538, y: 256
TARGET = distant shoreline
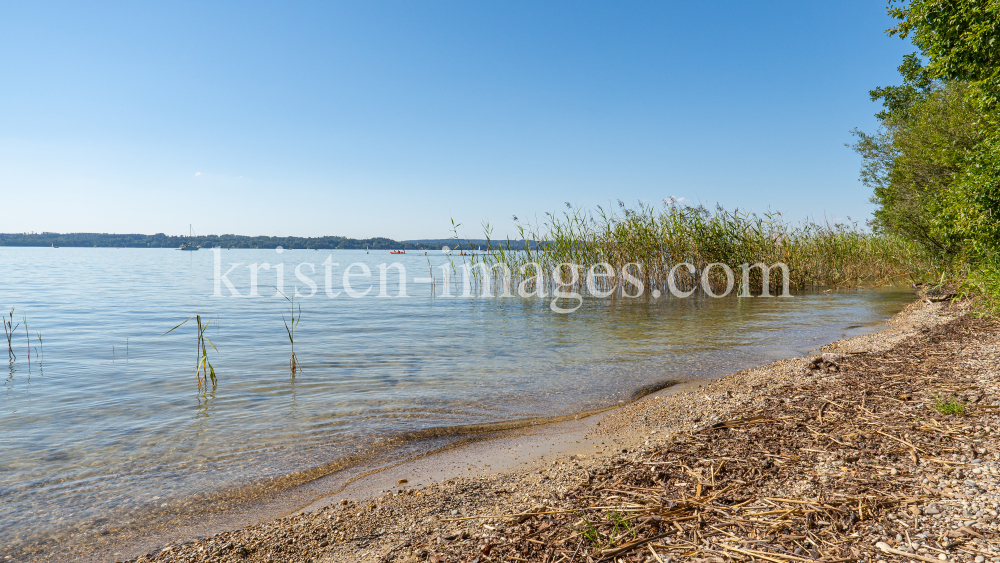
x: 160, y: 240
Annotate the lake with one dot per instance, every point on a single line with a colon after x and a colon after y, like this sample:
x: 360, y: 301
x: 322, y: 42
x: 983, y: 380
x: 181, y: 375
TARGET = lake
x: 103, y: 427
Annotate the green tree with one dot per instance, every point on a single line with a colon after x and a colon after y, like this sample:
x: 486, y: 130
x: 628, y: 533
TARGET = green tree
x: 934, y: 165
x: 915, y: 162
x: 959, y: 38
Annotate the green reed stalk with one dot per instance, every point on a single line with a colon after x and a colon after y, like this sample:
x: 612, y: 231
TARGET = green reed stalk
x: 291, y: 324
x: 8, y: 328
x: 203, y: 368
x: 27, y: 338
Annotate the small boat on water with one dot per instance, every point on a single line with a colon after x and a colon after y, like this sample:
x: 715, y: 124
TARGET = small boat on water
x: 54, y: 245
x: 189, y: 245
x: 397, y: 252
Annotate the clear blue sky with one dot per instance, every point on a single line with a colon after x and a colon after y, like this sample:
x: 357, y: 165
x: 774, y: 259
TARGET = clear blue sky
x: 387, y: 119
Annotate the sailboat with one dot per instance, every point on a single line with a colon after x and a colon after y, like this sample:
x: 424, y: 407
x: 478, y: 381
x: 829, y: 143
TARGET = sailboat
x: 190, y: 244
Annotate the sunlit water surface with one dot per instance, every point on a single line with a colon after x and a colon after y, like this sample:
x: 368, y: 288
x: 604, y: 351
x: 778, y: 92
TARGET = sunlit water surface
x: 107, y: 421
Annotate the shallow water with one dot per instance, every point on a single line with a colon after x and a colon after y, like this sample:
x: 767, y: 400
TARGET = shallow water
x: 107, y: 423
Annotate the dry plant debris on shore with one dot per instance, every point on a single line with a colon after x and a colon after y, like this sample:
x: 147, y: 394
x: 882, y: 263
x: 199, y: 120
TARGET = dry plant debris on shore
x: 859, y: 462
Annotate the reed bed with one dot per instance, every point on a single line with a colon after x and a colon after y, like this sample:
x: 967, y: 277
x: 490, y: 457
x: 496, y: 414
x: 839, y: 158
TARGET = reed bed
x: 645, y: 242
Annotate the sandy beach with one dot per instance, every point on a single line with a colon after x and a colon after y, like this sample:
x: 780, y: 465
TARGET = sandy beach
x: 834, y: 458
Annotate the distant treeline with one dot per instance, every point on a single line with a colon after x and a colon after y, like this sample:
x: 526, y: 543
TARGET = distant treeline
x: 160, y: 240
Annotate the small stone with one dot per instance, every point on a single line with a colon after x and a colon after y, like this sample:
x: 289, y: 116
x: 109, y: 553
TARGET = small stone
x: 980, y: 559
x: 942, y: 557
x: 930, y: 511
x: 893, y: 471
x: 454, y: 512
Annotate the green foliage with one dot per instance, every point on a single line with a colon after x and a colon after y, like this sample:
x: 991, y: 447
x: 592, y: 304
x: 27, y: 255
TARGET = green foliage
x: 621, y: 527
x: 982, y: 285
x: 934, y: 166
x: 960, y: 38
x: 897, y: 100
x: 915, y: 163
x: 588, y: 532
x: 949, y: 406
x: 979, y: 186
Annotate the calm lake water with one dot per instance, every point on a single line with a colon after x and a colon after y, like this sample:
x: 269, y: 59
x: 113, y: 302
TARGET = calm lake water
x: 106, y: 425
